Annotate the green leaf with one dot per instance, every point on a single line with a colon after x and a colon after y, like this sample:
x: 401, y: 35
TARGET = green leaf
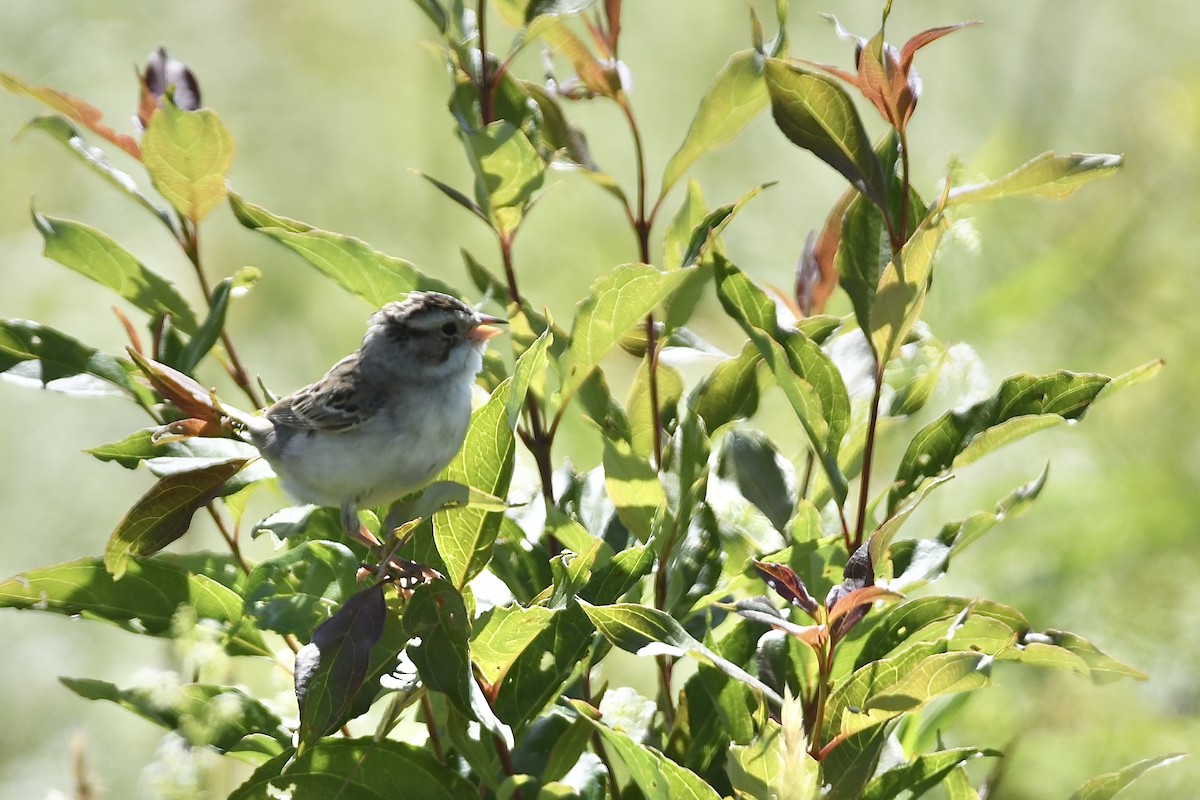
x: 62, y: 131
x: 932, y: 619
x: 187, y: 154
x: 615, y: 303
x: 679, y: 233
x: 809, y: 379
x: 300, y: 588
x: 921, y: 774
x: 957, y: 785
x: 508, y: 170
x: 884, y: 689
x: 881, y: 539
x: 730, y: 391
x: 537, y: 675
x: 706, y: 235
x: 331, y: 668
x: 1047, y: 175
x: 456, y: 196
x: 203, y: 714
x: 529, y: 375
x: 356, y: 768
x: 94, y: 255
x: 737, y: 95
x: 862, y: 254
x: 649, y: 632
x: 634, y: 487
x: 145, y: 601
x: 751, y: 461
x: 437, y: 616
x: 504, y: 636
x: 37, y: 354
x: 902, y: 288
x: 163, y: 514
x: 774, y: 766
x: 640, y: 407
x: 1023, y: 405
x: 815, y: 113
x: 657, y: 776
x: 350, y: 263
x: 943, y: 673
x: 209, y: 331
x: 850, y: 765
x: 1104, y: 787
x: 464, y: 536
x: 923, y: 560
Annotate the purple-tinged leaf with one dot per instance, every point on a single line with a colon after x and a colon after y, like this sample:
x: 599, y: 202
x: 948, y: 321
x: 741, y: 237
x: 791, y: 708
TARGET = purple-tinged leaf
x: 331, y: 668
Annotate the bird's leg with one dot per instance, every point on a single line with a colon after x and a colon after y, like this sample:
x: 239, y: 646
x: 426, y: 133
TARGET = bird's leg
x: 355, y: 529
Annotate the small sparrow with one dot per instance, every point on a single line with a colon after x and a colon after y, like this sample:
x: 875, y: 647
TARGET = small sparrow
x: 385, y: 419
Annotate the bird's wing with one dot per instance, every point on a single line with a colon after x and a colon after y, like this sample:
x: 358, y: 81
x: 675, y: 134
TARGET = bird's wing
x: 340, y: 401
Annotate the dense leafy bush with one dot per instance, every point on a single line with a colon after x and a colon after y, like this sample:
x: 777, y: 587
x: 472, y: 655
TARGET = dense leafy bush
x: 678, y: 548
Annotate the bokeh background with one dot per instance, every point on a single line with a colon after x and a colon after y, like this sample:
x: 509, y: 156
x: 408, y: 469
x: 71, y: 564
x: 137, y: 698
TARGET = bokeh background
x: 332, y: 105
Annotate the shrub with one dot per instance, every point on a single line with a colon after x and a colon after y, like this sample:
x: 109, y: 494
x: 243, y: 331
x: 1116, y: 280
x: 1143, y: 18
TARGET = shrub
x: 484, y: 613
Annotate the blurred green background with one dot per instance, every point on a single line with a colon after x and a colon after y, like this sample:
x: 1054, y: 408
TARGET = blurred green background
x: 333, y: 104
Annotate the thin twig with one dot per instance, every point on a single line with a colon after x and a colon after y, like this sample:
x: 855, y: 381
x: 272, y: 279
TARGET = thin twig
x: 231, y: 540
x: 190, y: 242
x: 864, y: 486
x: 485, y: 84
x: 435, y: 743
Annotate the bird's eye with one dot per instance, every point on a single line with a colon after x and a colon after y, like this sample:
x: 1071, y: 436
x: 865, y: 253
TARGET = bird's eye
x: 449, y: 329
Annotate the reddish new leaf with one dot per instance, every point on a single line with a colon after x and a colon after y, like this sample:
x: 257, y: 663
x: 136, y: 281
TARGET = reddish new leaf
x: 74, y: 109
x: 788, y: 585
x: 926, y: 37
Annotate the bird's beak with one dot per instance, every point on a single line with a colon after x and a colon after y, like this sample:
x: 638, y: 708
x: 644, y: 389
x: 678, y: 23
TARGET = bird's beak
x: 485, y: 327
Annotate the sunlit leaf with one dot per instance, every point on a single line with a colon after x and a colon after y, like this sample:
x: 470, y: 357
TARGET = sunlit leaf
x: 95, y: 255
x: 356, y: 768
x: 658, y: 777
x: 815, y: 113
x: 774, y: 766
x: 508, y: 170
x: 464, y: 536
x: 1104, y: 787
x: 1023, y: 405
x: 640, y: 408
x: 164, y: 513
x: 730, y: 391
x: 351, y: 263
x: 615, y: 303
x: 536, y: 675
x: 188, y: 154
x: 921, y: 774
x: 809, y: 380
x: 649, y: 632
x: 900, y: 295
x: 1047, y: 175
x: 145, y: 600
x: 736, y: 96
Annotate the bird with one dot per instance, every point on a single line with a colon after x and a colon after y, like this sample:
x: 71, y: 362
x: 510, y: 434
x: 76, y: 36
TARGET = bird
x: 386, y: 419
